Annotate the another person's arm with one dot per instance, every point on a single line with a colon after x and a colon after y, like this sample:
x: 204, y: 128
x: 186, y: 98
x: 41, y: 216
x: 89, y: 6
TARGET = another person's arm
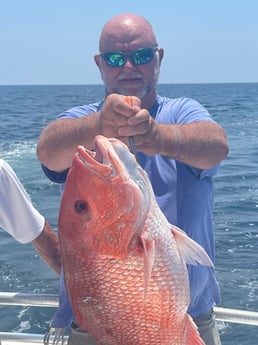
x: 22, y: 221
x: 47, y: 246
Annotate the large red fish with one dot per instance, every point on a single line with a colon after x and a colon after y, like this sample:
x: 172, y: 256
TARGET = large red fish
x: 124, y: 264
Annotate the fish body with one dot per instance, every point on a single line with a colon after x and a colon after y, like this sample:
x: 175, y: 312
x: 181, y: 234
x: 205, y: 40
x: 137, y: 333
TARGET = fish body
x: 124, y: 264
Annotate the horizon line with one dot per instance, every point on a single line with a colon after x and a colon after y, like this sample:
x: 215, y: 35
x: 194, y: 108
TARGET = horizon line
x: 172, y: 83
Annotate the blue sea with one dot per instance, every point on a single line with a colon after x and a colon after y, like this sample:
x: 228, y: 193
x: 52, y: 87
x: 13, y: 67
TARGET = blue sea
x: 25, y: 110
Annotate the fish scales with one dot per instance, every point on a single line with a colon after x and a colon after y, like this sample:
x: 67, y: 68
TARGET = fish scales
x: 124, y: 264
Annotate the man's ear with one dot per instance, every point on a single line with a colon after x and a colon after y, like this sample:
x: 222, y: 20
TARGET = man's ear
x: 97, y: 60
x: 161, y: 54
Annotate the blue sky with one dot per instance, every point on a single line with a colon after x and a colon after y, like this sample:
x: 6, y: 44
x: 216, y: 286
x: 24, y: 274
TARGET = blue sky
x: 53, y: 41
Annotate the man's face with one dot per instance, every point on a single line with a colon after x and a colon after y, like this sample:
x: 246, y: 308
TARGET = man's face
x: 130, y: 79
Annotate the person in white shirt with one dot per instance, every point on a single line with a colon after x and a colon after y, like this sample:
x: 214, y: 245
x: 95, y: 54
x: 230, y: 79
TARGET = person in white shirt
x: 23, y: 221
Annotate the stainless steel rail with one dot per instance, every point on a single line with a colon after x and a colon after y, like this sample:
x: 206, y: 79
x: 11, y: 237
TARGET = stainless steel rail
x: 48, y: 300
x: 27, y: 338
x: 236, y: 316
x: 28, y: 299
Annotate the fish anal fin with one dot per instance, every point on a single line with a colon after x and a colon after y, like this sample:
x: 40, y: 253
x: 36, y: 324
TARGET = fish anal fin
x: 193, y: 336
x: 191, y: 252
x: 149, y: 258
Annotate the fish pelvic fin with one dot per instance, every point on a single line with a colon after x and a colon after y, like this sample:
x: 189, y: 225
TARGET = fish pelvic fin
x: 149, y: 258
x: 191, y: 252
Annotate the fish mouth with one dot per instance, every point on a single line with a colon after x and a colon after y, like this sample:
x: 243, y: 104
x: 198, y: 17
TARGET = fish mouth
x: 104, y: 160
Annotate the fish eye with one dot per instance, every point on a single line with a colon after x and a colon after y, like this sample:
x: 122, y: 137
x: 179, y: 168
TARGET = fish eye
x: 81, y: 206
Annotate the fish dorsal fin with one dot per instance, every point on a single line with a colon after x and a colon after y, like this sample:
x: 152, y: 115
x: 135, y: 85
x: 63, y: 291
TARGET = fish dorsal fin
x: 191, y: 252
x: 149, y: 258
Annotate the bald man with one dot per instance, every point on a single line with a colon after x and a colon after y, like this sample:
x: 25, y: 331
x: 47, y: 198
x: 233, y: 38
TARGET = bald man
x: 176, y: 141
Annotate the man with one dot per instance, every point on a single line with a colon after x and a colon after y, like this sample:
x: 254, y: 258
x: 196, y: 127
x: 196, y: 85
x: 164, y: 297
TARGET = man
x: 22, y: 221
x: 177, y: 143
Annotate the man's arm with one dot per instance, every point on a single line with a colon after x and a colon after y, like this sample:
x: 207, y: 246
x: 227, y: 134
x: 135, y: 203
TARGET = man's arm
x: 200, y: 144
x: 59, y: 140
x: 47, y: 246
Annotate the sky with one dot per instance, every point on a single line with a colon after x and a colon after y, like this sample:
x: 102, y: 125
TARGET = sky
x: 54, y: 41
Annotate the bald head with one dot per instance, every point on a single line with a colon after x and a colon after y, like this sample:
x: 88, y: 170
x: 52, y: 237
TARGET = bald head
x: 126, y: 30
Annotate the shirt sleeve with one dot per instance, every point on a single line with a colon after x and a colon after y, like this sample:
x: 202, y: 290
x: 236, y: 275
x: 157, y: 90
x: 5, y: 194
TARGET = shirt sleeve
x: 181, y: 111
x: 57, y: 177
x: 18, y: 216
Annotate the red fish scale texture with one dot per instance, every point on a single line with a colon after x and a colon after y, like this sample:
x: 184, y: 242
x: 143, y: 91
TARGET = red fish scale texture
x: 108, y: 298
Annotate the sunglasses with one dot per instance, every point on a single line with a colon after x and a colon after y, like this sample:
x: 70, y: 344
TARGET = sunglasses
x: 138, y: 57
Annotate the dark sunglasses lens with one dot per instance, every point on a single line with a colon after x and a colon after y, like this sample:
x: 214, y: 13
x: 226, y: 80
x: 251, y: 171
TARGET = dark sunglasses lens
x: 114, y: 59
x: 143, y: 56
x: 139, y: 57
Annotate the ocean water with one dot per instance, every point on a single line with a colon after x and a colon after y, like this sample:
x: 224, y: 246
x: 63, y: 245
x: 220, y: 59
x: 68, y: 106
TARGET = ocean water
x: 25, y: 110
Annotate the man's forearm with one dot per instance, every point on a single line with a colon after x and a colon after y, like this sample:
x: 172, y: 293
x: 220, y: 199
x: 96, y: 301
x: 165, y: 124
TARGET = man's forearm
x: 198, y: 144
x: 59, y: 141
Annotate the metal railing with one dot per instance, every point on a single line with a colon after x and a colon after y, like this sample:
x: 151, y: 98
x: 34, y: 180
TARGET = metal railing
x: 48, y: 300
x: 22, y: 338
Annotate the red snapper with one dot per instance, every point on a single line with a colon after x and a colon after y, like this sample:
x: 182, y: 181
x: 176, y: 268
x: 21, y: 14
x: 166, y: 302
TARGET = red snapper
x: 124, y: 264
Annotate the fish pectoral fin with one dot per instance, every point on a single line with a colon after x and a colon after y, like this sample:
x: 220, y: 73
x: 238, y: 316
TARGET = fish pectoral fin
x: 149, y: 258
x: 191, y: 252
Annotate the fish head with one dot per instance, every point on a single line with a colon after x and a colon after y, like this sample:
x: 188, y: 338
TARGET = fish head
x: 106, y: 200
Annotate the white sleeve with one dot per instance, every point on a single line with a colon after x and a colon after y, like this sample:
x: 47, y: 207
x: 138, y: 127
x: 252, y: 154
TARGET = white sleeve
x: 17, y: 214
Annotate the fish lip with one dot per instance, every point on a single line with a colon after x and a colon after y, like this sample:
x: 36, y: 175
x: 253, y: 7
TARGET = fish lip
x: 104, y: 160
x: 93, y: 161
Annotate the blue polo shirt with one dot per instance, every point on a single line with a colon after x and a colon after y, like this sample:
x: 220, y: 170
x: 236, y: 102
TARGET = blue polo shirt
x: 184, y: 193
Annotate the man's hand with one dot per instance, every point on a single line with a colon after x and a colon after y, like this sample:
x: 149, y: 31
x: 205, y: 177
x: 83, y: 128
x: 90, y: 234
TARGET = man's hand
x: 122, y: 117
x: 115, y: 113
x: 143, y: 129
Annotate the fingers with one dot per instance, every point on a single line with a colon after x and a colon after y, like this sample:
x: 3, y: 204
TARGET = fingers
x: 139, y: 124
x: 121, y: 116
